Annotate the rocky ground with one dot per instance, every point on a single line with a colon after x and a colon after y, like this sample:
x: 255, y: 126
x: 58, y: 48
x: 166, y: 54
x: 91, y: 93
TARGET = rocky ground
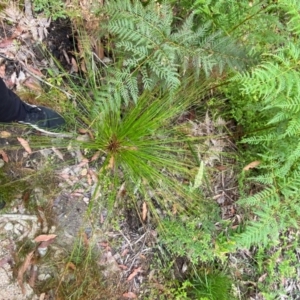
x: 51, y: 219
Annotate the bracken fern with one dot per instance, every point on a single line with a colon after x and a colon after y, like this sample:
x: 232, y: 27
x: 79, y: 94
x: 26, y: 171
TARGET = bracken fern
x: 274, y: 90
x: 150, y: 49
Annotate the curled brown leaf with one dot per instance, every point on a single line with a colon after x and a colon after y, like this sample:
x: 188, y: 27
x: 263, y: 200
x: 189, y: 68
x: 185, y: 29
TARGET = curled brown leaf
x: 25, y: 145
x: 252, y: 165
x: 27, y: 262
x: 145, y: 210
x: 130, y: 295
x: 4, y: 156
x: 134, y: 273
x: 44, y: 237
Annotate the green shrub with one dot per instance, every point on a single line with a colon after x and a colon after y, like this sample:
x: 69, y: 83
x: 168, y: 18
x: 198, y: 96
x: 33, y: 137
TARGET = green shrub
x: 207, y: 286
x: 189, y: 238
x: 53, y: 8
x: 152, y: 50
x: 271, y: 93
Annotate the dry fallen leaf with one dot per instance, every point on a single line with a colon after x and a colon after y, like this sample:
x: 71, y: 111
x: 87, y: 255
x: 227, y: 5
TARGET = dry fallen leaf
x: 83, y: 66
x: 74, y: 67
x: 85, y: 240
x: 25, y: 145
x: 125, y: 252
x: 122, y: 191
x: 130, y: 295
x: 33, y: 276
x: 17, y: 31
x: 101, y: 218
x: 32, y: 84
x: 5, y: 134
x: 45, y: 244
x: 145, y: 210
x: 23, y: 268
x: 134, y: 273
x: 4, y: 156
x: 221, y: 168
x: 84, y: 172
x: 175, y: 209
x: 58, y: 153
x: 111, y: 163
x: 123, y: 267
x: 86, y: 131
x: 82, y: 130
x: 45, y: 237
x: 71, y: 266
x: 104, y: 244
x: 26, y: 196
x: 84, y: 161
x: 34, y: 71
x: 262, y: 277
x: 42, y: 296
x: 95, y: 156
x: 89, y: 179
x: 94, y: 175
x: 2, y: 70
x: 252, y: 165
x: 6, y: 43
x: 99, y: 49
x: 76, y: 194
x: 142, y: 256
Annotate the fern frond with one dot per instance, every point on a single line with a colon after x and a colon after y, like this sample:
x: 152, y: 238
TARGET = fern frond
x: 292, y: 8
x: 276, y: 210
x: 255, y: 140
x: 149, y: 45
x: 267, y: 195
x: 260, y: 233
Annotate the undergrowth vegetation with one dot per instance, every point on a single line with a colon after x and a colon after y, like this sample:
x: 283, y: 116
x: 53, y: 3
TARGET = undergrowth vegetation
x: 170, y: 58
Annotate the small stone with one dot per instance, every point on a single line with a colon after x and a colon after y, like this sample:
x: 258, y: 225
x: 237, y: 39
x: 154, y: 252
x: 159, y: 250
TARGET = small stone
x: 1, y: 163
x: 84, y: 172
x: 9, y: 226
x: 46, y: 152
x: 19, y: 227
x: 83, y: 138
x: 21, y: 209
x: 42, y: 251
x: 52, y: 229
x: 16, y: 231
x: 42, y: 277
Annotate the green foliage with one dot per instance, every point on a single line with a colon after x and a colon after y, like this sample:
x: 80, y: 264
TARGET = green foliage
x: 212, y: 286
x: 273, y: 90
x: 53, y: 8
x: 189, y: 239
x: 140, y: 141
x: 251, y: 22
x: 151, y: 50
x: 159, y: 56
x: 207, y: 286
x: 277, y: 263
